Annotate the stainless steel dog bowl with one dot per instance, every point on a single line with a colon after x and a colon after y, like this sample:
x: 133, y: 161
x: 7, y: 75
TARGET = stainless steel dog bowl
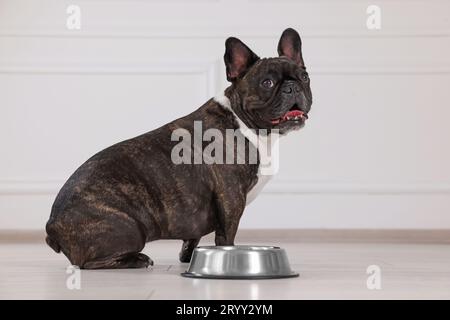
x: 239, y: 262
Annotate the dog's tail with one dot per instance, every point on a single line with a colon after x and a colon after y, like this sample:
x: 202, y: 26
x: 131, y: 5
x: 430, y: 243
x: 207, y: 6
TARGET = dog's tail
x: 53, y: 244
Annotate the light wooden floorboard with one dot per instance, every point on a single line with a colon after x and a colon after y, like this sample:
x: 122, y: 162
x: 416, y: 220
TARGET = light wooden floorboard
x: 327, y: 271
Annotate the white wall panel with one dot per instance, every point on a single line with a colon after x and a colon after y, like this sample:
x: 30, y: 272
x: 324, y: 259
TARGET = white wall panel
x: 374, y: 153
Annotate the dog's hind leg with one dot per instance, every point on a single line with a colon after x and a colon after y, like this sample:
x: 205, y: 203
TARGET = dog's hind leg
x: 110, y: 240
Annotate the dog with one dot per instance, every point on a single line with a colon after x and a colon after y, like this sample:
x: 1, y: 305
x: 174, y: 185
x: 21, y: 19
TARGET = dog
x: 133, y: 192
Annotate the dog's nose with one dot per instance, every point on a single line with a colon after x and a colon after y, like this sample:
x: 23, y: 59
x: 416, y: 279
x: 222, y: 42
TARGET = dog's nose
x: 290, y: 87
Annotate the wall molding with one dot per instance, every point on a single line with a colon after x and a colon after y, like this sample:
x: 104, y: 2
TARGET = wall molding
x: 162, y: 67
x: 193, y: 36
x: 297, y: 187
x: 51, y: 187
x: 209, y: 69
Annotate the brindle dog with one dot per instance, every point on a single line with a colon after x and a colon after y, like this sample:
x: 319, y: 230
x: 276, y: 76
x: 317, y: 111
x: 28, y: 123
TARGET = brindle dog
x: 132, y: 192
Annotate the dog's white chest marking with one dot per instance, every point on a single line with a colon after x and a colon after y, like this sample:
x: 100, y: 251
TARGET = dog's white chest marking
x: 266, y: 150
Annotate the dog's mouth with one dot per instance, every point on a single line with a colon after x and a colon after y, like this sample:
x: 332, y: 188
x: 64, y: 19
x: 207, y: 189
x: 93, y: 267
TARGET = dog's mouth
x: 294, y: 114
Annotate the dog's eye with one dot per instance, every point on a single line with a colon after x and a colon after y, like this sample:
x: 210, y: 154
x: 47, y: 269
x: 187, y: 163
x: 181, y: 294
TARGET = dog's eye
x: 267, y: 83
x: 304, y: 77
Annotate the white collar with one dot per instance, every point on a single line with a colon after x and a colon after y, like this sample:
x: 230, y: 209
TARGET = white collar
x: 250, y: 134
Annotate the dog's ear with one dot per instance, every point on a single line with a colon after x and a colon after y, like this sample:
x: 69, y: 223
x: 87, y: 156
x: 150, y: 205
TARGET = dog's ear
x: 290, y: 45
x: 238, y: 58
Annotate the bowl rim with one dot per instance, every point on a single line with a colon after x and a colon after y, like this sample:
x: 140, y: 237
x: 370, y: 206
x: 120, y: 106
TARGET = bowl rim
x: 244, y: 247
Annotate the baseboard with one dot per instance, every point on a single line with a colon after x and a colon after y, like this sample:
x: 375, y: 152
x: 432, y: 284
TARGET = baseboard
x: 347, y: 235
x: 286, y: 235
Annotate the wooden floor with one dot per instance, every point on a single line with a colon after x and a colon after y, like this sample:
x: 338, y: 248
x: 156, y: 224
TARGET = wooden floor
x: 327, y: 271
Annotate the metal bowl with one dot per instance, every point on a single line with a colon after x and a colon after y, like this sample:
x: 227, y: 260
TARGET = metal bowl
x: 239, y: 262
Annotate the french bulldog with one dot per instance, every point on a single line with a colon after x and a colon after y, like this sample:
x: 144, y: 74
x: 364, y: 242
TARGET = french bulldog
x: 133, y: 192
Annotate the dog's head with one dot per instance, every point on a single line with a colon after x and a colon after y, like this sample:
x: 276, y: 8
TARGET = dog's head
x: 269, y: 93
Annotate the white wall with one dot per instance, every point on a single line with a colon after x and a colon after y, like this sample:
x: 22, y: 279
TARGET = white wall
x: 374, y: 154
